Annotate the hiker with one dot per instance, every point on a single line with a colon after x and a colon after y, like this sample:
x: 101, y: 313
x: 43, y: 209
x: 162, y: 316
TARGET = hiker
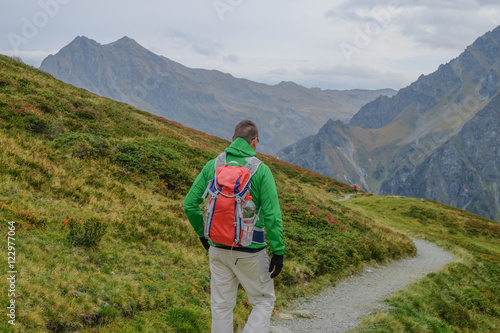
x: 248, y: 265
x: 355, y: 189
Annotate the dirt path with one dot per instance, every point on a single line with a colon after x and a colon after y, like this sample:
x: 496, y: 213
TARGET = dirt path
x: 339, y: 309
x: 347, y: 196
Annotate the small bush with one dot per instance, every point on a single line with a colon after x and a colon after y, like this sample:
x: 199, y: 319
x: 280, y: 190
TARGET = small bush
x: 37, y: 125
x: 422, y: 214
x: 83, y: 145
x: 88, y: 234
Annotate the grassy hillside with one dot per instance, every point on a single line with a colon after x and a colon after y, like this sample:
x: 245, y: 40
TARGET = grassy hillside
x: 96, y: 189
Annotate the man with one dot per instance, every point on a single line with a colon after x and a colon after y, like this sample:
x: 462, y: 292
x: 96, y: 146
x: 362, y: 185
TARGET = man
x: 250, y: 266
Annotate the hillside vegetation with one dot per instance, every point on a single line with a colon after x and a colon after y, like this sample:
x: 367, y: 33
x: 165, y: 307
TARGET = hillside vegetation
x: 96, y: 190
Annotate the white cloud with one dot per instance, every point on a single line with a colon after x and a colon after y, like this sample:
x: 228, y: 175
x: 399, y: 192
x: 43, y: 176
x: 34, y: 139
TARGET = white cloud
x: 392, y: 41
x: 232, y: 58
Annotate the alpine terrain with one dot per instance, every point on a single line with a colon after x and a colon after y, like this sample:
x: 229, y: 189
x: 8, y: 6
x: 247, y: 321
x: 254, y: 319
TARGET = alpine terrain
x: 91, y: 205
x: 438, y: 138
x: 207, y: 100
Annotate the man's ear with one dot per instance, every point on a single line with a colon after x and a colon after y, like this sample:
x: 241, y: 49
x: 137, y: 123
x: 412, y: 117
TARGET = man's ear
x: 232, y: 138
x: 254, y: 142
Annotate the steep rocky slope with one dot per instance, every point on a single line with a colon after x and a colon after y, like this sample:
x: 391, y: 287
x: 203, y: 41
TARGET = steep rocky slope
x: 465, y: 170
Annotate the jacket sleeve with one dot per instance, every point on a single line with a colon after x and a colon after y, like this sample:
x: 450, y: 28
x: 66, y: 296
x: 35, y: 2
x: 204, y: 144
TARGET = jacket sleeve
x: 271, y: 212
x: 194, y: 198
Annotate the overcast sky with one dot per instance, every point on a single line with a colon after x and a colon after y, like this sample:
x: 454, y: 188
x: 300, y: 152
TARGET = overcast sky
x: 340, y: 44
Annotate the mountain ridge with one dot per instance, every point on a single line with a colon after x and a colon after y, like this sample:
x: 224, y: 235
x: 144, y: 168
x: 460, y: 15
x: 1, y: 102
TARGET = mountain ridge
x: 208, y: 100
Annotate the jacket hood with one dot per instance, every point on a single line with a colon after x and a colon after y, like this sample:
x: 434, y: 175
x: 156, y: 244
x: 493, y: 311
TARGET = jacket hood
x: 241, y: 148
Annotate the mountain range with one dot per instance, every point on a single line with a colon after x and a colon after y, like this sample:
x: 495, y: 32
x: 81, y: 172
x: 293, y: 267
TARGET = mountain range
x: 438, y: 138
x: 207, y: 100
x: 434, y: 139
x: 92, y: 192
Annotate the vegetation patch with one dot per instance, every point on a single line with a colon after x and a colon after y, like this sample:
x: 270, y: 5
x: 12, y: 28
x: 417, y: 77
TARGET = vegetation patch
x: 87, y: 234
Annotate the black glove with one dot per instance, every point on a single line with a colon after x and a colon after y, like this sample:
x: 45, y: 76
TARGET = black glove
x: 204, y: 241
x: 276, y: 265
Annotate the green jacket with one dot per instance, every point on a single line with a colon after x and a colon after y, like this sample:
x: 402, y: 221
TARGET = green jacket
x: 263, y: 192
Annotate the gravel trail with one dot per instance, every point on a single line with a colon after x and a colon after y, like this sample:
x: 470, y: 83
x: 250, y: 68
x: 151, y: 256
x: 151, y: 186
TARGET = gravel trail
x: 339, y: 309
x: 347, y: 197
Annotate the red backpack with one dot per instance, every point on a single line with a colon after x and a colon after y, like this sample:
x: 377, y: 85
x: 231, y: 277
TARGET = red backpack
x: 230, y: 212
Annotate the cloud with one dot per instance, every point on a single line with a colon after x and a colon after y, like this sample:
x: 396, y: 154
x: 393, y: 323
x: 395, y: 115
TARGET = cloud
x: 438, y: 24
x: 360, y: 75
x: 445, y: 27
x: 279, y: 71
x: 185, y: 40
x: 28, y: 57
x: 392, y: 41
x: 232, y: 58
x: 364, y: 11
x: 209, y: 48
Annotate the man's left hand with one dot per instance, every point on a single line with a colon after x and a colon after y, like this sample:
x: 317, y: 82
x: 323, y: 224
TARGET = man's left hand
x: 276, y: 265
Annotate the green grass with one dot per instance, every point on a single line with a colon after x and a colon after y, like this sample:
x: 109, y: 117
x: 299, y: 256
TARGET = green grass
x: 68, y: 157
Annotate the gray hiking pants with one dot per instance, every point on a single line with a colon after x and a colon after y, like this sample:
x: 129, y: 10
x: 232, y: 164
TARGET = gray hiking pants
x: 228, y: 268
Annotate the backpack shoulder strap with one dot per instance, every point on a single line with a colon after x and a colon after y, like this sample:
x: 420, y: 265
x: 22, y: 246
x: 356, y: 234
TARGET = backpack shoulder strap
x: 220, y: 160
x: 252, y: 164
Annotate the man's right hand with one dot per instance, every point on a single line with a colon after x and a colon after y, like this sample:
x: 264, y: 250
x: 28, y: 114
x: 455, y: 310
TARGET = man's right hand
x: 204, y: 241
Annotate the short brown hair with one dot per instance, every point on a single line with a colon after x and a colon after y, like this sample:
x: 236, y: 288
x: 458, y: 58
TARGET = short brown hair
x: 247, y: 130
